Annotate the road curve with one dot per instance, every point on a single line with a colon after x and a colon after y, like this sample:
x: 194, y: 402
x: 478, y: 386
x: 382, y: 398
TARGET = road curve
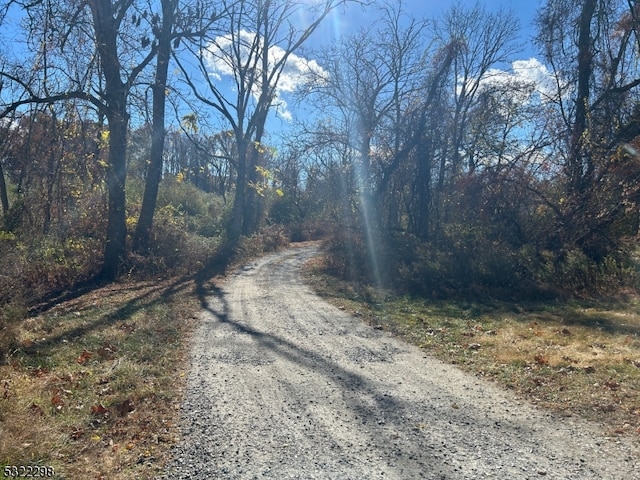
x: 285, y: 386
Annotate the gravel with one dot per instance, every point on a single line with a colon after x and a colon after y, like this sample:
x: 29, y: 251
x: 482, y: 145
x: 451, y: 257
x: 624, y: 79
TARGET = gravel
x: 285, y: 386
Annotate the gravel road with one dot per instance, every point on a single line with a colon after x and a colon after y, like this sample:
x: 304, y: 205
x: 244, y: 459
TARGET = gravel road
x: 283, y: 385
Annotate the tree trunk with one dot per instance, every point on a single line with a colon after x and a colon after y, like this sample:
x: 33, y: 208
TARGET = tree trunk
x: 580, y: 168
x: 4, y: 197
x: 238, y: 212
x: 115, y: 108
x: 252, y: 206
x: 154, y: 171
x: 423, y: 188
x: 115, y: 247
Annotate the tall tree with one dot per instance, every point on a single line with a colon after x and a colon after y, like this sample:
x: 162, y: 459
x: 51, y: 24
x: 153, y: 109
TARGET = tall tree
x: 177, y: 22
x: 5, y: 129
x: 486, y: 39
x: 252, y: 47
x: 104, y: 79
x: 382, y: 83
x: 593, y: 57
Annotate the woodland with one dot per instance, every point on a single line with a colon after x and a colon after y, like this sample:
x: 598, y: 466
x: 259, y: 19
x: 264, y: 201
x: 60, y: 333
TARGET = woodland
x: 427, y: 165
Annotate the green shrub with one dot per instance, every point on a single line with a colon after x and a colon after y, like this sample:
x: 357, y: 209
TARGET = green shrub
x: 346, y: 255
x: 575, y: 273
x: 174, y: 248
x: 183, y: 196
x: 307, y: 231
x: 12, y: 293
x: 11, y: 314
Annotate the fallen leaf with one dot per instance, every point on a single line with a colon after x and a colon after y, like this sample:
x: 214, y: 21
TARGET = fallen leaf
x: 40, y: 372
x: 36, y: 409
x: 99, y: 409
x: 127, y: 327
x: 84, y: 356
x: 612, y: 385
x: 107, y: 352
x: 57, y: 401
x: 126, y: 407
x: 6, y: 393
x: 540, y: 360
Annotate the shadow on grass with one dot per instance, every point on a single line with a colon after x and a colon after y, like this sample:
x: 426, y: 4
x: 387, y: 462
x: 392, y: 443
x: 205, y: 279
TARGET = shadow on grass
x: 603, y: 321
x: 608, y: 315
x: 148, y: 297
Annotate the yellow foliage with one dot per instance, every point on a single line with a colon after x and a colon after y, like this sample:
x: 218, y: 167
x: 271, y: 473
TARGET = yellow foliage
x: 259, y: 147
x: 104, y: 139
x: 131, y: 222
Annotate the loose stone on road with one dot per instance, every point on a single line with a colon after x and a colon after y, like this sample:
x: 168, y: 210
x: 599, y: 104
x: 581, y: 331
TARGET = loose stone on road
x: 285, y: 386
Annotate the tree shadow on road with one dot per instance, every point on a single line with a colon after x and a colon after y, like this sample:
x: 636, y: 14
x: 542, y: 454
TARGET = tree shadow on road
x: 382, y: 411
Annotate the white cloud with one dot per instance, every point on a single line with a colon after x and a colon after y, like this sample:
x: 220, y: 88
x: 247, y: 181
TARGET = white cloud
x: 222, y: 60
x: 534, y: 72
x: 531, y: 76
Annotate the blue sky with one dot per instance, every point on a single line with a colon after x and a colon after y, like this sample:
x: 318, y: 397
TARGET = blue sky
x: 344, y: 21
x: 348, y: 20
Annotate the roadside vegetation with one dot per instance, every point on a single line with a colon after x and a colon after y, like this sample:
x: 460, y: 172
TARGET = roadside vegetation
x: 577, y: 357
x: 93, y: 376
x: 92, y: 385
x: 92, y: 372
x: 483, y: 206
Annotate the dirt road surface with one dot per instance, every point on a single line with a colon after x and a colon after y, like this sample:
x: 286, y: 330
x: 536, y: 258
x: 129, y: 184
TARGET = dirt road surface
x: 283, y: 385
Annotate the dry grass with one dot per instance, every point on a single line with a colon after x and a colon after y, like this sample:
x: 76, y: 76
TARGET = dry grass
x: 94, y: 386
x: 577, y: 358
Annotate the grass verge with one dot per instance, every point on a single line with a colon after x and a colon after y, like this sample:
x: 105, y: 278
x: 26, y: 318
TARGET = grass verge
x: 575, y: 358
x: 93, y: 388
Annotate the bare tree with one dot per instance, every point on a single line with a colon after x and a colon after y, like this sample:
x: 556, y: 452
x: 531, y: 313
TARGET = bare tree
x: 177, y: 23
x: 591, y: 47
x: 382, y: 83
x: 486, y: 39
x: 104, y: 78
x: 253, y: 46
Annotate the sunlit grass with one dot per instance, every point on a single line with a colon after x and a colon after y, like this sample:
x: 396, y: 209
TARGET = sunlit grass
x: 93, y: 387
